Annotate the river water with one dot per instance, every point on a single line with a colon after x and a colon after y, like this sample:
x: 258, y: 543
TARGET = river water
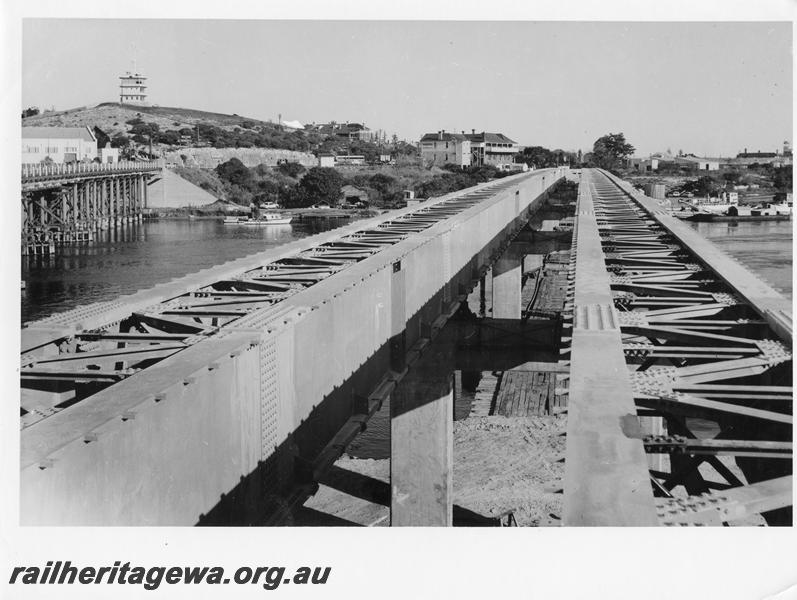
x: 143, y: 255
x: 765, y: 247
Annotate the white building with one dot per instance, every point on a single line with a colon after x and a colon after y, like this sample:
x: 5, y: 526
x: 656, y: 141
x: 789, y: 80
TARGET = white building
x: 109, y: 155
x: 349, y: 160
x: 492, y: 149
x: 643, y: 164
x: 59, y: 144
x: 132, y: 89
x: 326, y: 160
x: 446, y: 148
x: 698, y: 164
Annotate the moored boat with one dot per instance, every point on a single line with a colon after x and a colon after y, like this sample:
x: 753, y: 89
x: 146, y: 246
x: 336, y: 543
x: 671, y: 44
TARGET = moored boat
x: 763, y: 212
x: 264, y: 219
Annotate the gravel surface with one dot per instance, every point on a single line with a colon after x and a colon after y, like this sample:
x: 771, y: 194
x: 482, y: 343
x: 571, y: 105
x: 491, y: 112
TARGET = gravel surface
x: 500, y: 464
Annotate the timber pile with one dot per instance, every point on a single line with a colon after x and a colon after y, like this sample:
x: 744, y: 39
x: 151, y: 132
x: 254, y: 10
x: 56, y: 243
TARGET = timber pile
x: 485, y: 392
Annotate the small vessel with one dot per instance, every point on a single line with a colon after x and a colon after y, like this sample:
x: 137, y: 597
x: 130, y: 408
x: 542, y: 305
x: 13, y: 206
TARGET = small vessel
x: 763, y: 212
x: 717, y: 206
x: 264, y: 219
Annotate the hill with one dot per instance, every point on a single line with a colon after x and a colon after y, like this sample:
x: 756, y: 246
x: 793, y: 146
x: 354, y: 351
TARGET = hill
x: 111, y: 117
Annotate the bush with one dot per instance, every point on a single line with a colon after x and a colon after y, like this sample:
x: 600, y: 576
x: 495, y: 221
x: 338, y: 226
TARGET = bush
x: 782, y: 178
x: 291, y: 169
x: 141, y: 131
x: 320, y: 184
x: 234, y: 172
x: 120, y: 141
x: 448, y: 182
x: 170, y: 137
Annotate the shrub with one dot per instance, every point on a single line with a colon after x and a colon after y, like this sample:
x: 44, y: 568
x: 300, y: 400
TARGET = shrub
x: 321, y: 184
x: 234, y: 172
x: 291, y: 169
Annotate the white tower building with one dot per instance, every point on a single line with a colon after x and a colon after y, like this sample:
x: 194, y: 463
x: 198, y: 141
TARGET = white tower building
x: 132, y: 89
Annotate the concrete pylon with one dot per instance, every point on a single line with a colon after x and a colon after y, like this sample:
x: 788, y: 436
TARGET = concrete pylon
x: 422, y: 442
x: 507, y: 283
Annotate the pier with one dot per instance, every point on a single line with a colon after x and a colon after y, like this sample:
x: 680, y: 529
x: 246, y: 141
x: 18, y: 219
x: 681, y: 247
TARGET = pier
x: 69, y: 203
x: 202, y: 400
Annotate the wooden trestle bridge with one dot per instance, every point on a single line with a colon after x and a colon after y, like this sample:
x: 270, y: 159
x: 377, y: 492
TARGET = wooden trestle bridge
x: 68, y: 203
x: 197, y: 399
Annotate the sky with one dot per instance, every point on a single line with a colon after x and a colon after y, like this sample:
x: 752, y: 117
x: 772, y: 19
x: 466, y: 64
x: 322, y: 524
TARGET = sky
x: 707, y: 88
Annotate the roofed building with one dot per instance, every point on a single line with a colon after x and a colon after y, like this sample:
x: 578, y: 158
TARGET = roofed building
x: 698, y: 164
x: 349, y: 131
x: 445, y: 148
x: 59, y: 144
x: 132, y: 89
x: 492, y: 148
x: 643, y: 165
x: 468, y: 149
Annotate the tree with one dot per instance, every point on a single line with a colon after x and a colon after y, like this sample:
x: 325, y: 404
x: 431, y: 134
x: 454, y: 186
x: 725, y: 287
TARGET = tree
x: 30, y: 112
x: 291, y: 169
x: 732, y: 177
x: 702, y: 186
x: 233, y: 171
x: 537, y: 157
x: 321, y: 184
x: 382, y: 183
x: 171, y: 137
x: 782, y: 178
x: 609, y: 151
x: 120, y: 141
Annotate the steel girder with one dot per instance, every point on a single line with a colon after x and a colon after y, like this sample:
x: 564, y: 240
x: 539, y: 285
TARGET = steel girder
x: 60, y: 369
x: 708, y: 375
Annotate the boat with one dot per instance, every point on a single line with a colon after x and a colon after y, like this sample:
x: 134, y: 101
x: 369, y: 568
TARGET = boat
x: 717, y: 206
x: 762, y: 212
x: 264, y: 219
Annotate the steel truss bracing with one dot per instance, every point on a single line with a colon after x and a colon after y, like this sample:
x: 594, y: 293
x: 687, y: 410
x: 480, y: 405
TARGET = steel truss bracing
x: 707, y: 369
x: 59, y: 369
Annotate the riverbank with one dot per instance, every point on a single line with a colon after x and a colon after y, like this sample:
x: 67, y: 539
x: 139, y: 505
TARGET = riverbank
x: 189, y: 213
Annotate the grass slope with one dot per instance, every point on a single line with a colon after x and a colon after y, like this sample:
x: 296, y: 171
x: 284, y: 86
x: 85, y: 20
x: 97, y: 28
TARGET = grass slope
x: 111, y: 117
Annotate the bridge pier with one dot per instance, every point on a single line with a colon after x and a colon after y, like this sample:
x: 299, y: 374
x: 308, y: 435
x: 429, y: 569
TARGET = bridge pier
x: 422, y: 443
x: 507, y: 283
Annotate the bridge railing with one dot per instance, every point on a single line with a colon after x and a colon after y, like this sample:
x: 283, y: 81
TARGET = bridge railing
x: 36, y: 172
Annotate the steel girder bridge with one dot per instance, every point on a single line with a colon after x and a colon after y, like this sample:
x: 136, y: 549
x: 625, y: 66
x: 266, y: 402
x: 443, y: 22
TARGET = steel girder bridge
x: 194, y: 400
x: 197, y: 398
x: 669, y: 334
x: 68, y: 203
